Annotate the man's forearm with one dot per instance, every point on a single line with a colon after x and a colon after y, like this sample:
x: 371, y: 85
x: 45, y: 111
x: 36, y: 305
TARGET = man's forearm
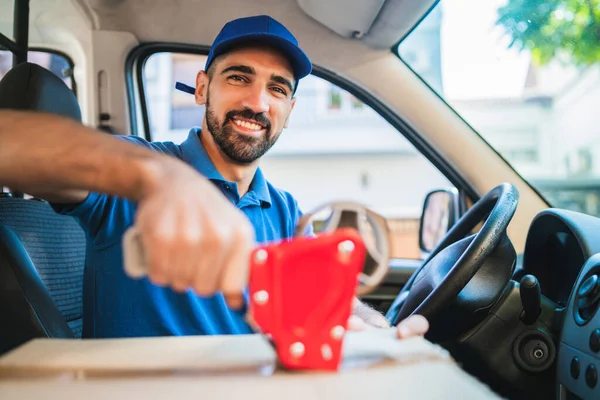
x: 63, y: 160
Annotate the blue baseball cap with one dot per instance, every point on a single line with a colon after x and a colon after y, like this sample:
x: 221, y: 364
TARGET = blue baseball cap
x: 257, y: 29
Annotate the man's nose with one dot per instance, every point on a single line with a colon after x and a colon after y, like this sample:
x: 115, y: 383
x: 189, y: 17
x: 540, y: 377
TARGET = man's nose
x: 257, y: 100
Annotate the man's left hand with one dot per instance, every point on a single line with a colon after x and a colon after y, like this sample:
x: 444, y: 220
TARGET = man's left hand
x: 415, y: 325
x: 364, y: 317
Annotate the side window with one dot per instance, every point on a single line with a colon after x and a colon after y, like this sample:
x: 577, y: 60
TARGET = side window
x: 60, y: 65
x: 336, y: 148
x: 171, y: 112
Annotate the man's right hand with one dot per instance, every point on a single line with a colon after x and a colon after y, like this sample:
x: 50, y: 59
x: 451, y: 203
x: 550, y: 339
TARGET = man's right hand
x: 192, y: 236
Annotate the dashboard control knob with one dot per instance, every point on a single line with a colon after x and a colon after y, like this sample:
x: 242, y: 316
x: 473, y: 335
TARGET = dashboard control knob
x: 595, y: 341
x: 531, y: 295
x: 591, y: 376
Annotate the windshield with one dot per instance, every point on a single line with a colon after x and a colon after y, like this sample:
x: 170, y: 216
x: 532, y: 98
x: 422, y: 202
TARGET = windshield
x: 525, y: 75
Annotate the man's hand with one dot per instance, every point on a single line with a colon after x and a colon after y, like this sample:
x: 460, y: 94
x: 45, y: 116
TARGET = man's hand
x: 415, y: 325
x: 364, y: 317
x: 193, y: 237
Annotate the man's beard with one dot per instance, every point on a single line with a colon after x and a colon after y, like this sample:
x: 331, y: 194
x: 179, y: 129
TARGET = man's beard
x: 239, y: 148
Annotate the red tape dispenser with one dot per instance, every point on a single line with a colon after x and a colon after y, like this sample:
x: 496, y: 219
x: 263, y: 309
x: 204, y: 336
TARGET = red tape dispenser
x: 301, y: 295
x: 301, y: 292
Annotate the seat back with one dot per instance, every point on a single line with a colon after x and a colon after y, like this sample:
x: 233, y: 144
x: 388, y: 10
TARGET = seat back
x: 42, y: 253
x: 30, y: 87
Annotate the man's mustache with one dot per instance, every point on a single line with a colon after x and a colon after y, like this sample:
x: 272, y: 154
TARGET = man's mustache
x: 248, y: 114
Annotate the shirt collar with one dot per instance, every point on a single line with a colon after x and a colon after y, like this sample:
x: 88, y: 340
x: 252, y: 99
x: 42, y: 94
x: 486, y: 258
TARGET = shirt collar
x: 260, y: 187
x: 195, y: 155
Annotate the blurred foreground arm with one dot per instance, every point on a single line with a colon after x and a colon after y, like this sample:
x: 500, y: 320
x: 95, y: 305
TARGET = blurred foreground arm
x: 193, y: 236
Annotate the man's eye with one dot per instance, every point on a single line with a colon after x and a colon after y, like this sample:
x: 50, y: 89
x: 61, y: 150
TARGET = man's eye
x: 279, y: 90
x: 238, y: 78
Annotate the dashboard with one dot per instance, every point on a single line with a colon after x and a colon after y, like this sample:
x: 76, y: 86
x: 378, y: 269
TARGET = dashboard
x: 563, y: 253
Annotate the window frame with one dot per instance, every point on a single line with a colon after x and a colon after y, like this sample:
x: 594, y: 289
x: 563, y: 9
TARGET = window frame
x: 136, y: 96
x: 57, y: 53
x: 63, y: 55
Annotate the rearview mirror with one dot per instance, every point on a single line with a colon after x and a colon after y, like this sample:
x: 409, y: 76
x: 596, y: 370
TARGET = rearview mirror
x: 439, y: 214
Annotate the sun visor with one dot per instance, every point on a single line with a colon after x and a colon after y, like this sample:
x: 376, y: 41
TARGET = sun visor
x: 347, y: 18
x: 379, y: 23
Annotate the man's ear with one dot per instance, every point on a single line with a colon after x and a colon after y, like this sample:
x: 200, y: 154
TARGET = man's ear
x: 201, y: 88
x: 287, y: 120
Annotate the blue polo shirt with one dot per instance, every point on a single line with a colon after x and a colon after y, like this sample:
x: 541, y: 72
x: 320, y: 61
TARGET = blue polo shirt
x: 118, y: 306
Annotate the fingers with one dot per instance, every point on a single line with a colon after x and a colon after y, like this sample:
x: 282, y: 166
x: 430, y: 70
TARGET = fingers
x: 194, y: 238
x: 235, y: 271
x: 185, y: 255
x: 156, y: 249
x: 415, y: 325
x: 211, y: 256
x: 357, y: 324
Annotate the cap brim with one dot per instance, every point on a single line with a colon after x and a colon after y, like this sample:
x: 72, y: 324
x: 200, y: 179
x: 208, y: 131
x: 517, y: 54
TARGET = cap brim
x: 185, y: 88
x: 299, y: 60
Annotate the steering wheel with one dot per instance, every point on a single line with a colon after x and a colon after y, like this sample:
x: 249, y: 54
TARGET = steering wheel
x: 436, y: 284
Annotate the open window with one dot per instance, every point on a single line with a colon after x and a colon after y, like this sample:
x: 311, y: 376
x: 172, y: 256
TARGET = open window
x: 59, y: 64
x: 336, y: 146
x: 14, y: 46
x: 526, y: 77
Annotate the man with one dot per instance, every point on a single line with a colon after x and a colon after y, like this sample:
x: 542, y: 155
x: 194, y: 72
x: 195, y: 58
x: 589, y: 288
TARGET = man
x: 198, y: 220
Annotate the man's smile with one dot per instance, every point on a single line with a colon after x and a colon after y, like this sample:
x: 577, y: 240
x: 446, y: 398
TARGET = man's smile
x: 248, y: 126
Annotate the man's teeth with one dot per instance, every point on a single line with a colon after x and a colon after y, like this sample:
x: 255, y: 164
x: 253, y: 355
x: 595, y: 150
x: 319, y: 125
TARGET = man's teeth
x: 247, y: 125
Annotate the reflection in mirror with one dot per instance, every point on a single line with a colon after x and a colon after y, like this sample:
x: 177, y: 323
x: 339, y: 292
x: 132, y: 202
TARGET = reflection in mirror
x: 438, y: 215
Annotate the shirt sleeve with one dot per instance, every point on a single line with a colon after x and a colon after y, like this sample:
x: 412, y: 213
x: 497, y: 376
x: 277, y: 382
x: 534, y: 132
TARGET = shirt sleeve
x: 105, y: 218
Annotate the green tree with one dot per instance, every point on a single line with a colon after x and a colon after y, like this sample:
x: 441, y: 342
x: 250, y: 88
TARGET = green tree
x: 567, y: 30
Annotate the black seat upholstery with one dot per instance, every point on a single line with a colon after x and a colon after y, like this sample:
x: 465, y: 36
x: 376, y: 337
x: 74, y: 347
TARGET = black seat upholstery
x: 28, y: 86
x: 42, y: 253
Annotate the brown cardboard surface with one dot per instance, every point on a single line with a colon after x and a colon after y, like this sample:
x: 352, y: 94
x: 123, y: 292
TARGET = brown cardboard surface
x: 375, y: 365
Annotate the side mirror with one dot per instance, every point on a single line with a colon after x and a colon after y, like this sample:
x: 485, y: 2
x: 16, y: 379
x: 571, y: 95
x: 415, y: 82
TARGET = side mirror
x: 440, y: 212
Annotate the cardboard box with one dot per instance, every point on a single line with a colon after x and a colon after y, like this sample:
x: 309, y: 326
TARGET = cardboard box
x: 375, y: 366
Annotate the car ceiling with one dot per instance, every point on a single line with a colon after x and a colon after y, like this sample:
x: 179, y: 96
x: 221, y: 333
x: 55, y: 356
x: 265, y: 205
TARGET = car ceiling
x: 325, y: 29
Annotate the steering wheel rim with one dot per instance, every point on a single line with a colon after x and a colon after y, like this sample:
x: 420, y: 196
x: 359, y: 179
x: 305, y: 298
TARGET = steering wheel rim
x: 363, y: 219
x: 501, y: 204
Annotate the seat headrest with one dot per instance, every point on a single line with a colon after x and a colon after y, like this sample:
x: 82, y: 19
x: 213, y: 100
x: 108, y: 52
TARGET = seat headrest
x: 31, y: 87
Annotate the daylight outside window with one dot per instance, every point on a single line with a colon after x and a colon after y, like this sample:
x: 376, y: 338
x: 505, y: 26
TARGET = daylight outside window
x: 526, y: 76
x: 55, y: 63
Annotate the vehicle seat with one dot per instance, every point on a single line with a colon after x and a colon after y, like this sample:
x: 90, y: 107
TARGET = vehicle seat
x: 42, y: 253
x: 31, y: 87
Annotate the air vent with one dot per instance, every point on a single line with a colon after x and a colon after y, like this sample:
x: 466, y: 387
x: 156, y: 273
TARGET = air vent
x: 587, y: 299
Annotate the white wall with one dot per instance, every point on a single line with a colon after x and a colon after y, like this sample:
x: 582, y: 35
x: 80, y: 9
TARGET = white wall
x: 511, y: 124
x: 397, y: 183
x: 577, y: 112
